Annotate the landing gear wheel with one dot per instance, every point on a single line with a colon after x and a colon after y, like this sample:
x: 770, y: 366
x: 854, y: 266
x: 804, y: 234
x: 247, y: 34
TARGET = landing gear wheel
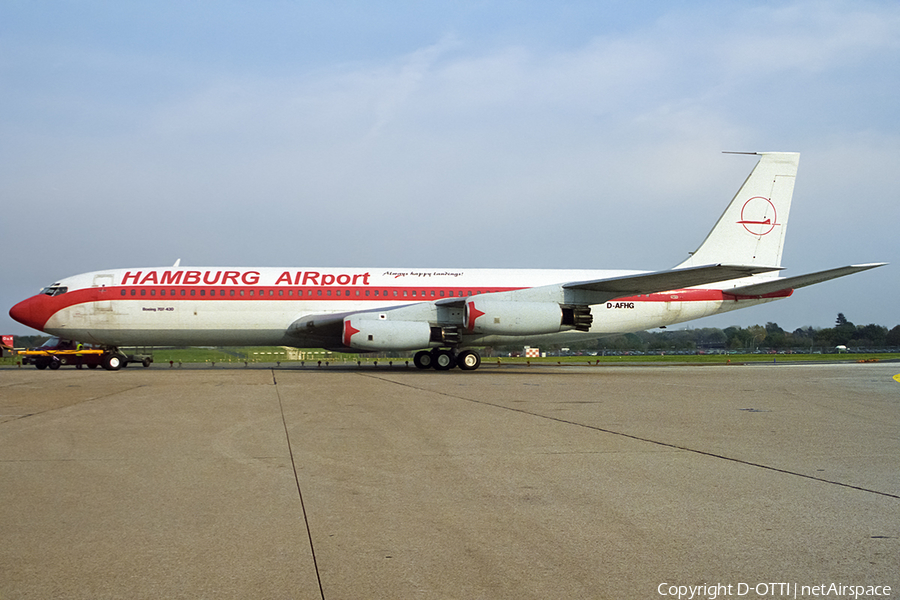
x: 423, y: 359
x: 443, y: 360
x: 112, y: 362
x: 468, y: 360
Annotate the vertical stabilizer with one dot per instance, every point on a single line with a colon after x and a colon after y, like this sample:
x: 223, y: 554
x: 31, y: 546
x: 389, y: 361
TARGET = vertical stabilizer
x: 751, y: 230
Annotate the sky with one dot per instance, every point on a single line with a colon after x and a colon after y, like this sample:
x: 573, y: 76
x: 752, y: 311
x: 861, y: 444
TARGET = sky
x: 445, y: 134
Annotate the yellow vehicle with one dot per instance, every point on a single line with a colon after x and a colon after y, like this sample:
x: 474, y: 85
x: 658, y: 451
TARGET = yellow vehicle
x: 57, y: 352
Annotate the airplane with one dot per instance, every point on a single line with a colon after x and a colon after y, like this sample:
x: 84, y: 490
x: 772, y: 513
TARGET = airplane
x: 444, y: 314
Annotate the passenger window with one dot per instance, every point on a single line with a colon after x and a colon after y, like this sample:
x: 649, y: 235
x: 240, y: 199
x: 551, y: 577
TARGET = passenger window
x: 193, y: 292
x: 124, y: 292
x: 134, y: 292
x: 152, y: 292
x: 232, y: 293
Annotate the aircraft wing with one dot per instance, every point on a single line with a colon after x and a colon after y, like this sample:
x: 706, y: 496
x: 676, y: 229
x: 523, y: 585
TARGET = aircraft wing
x: 661, y: 281
x: 798, y: 281
x: 327, y: 328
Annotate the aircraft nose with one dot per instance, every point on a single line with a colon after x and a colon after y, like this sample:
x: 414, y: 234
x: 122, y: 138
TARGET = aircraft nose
x: 31, y: 312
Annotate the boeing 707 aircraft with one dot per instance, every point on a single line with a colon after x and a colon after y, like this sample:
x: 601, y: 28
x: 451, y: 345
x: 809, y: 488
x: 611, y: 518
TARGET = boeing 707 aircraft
x: 445, y: 314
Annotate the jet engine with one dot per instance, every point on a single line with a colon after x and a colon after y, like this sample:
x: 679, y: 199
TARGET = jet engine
x: 375, y: 334
x: 488, y: 316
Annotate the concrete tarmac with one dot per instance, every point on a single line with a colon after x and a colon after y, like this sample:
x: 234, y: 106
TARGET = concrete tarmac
x: 509, y: 482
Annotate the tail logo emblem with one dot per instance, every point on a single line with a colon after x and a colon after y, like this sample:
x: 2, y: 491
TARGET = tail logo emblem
x: 758, y: 216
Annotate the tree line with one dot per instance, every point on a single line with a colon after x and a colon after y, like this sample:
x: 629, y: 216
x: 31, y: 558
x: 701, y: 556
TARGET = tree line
x: 757, y: 337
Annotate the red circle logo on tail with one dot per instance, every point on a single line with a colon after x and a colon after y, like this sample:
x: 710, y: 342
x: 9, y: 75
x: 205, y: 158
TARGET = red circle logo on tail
x: 758, y: 216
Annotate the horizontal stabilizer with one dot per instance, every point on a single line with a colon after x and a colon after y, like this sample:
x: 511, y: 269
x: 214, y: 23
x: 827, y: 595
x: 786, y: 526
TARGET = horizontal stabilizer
x: 662, y: 281
x: 799, y: 281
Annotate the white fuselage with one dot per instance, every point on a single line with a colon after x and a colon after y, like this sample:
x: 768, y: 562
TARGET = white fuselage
x: 257, y: 306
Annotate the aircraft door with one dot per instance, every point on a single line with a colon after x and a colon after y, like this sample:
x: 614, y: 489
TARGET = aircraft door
x: 103, y: 305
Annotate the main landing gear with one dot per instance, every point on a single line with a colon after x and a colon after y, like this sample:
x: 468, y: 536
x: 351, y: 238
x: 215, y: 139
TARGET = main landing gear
x: 113, y: 361
x: 444, y: 360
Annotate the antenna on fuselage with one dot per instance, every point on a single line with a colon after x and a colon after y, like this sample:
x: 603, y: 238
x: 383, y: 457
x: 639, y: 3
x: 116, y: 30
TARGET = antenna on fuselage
x: 177, y: 263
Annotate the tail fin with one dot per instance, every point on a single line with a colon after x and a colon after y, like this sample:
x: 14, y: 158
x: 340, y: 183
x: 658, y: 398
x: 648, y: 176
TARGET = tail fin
x: 751, y: 230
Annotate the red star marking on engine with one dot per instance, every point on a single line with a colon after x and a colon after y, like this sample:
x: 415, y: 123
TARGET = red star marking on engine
x: 472, y: 313
x: 349, y: 330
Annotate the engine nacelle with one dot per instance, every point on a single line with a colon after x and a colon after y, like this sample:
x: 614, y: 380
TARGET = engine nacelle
x: 377, y: 334
x: 512, y: 318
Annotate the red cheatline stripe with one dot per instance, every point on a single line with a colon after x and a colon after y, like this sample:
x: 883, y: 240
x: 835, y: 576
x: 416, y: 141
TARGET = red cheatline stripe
x: 50, y: 305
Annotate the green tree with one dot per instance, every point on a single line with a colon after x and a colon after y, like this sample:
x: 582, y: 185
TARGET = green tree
x: 775, y: 336
x: 737, y: 338
x: 893, y: 336
x: 843, y: 331
x: 871, y: 335
x: 757, y: 334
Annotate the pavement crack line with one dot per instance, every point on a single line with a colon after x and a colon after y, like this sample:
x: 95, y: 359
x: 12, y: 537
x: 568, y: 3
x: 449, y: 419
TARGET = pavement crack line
x: 86, y: 400
x: 287, y: 437
x: 639, y: 438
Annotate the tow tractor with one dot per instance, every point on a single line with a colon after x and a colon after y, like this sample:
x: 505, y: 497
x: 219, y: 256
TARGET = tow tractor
x: 56, y: 352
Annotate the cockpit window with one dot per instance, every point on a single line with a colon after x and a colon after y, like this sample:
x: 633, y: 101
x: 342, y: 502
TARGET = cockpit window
x: 54, y: 290
x: 51, y: 343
